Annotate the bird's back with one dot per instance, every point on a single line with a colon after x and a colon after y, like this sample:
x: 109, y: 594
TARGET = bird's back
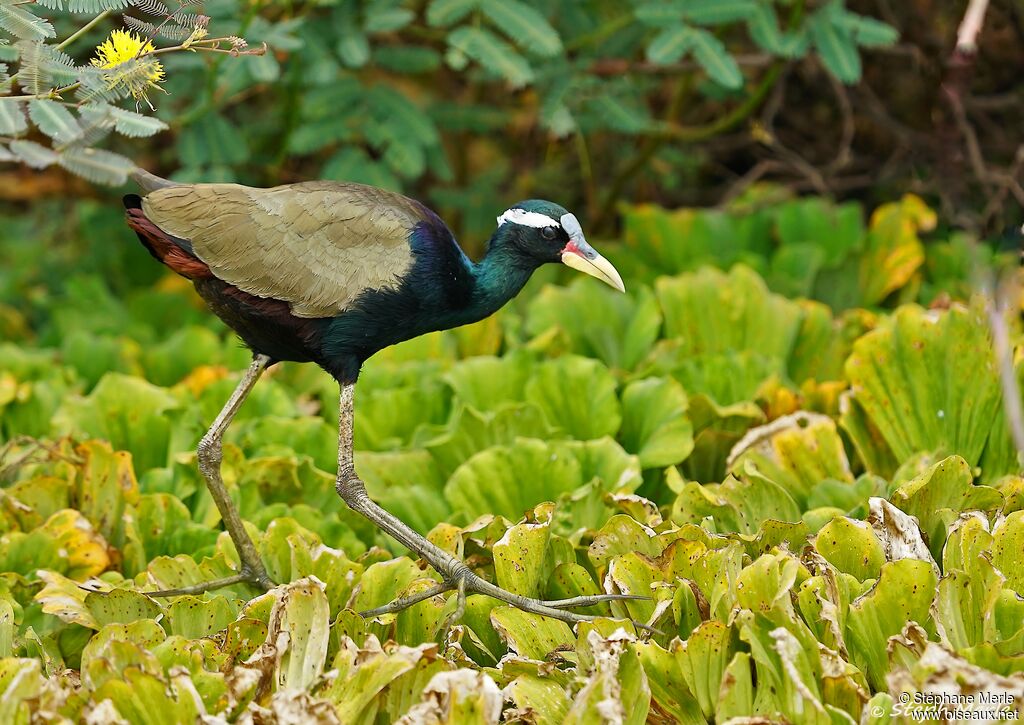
x: 315, y: 245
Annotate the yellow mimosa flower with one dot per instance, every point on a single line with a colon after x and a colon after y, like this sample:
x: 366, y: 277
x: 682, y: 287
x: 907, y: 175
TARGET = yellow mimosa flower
x: 123, y: 46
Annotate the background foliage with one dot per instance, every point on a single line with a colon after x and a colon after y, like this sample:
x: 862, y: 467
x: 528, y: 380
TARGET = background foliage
x: 459, y: 102
x: 789, y: 434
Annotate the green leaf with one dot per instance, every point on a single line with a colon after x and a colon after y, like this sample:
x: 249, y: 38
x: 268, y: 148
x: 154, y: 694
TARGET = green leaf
x: 22, y: 24
x: 105, y: 487
x: 836, y: 46
x: 1007, y: 539
x: 135, y: 125
x: 97, y: 165
x: 868, y: 31
x: 542, y: 696
x: 714, y: 312
x: 493, y: 53
x: 796, y: 451
x: 616, y: 688
x: 471, y: 432
x: 670, y: 45
x: 851, y: 547
x: 447, y: 12
x: 12, y: 117
x: 508, y: 480
x: 364, y: 673
x: 32, y: 154
x: 384, y: 19
x: 212, y: 140
x: 654, y: 422
x: 302, y: 613
x: 900, y: 376
x: 937, y: 495
x: 44, y: 67
x: 354, y: 49
x: 621, y: 113
x: 524, y: 26
x: 138, y: 695
x: 659, y: 13
x: 519, y: 555
x: 903, y: 594
x: 763, y: 27
x: 488, y: 383
x: 127, y: 411
x: 710, y: 52
x: 66, y: 543
x: 717, y: 12
x: 406, y: 483
x: 120, y: 606
x: 740, y: 505
x: 577, y: 394
x: 669, y: 689
x: 599, y: 322
x: 703, y: 662
x: 54, y: 120
x: 530, y: 635
x: 407, y: 59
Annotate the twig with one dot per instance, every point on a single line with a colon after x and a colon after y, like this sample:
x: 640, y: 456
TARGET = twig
x: 970, y: 26
x: 974, y: 155
x: 83, y: 30
x: 995, y: 204
x: 842, y: 157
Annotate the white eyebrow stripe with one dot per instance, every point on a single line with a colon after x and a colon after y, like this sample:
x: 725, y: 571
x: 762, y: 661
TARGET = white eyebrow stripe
x: 527, y: 219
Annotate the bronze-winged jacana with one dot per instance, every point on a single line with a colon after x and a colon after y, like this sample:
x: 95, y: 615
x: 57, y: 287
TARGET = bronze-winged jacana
x: 332, y: 272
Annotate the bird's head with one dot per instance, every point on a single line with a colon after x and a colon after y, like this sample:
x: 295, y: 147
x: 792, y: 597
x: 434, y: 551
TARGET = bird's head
x: 547, y: 232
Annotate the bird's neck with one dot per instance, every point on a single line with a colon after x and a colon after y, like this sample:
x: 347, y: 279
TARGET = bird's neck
x: 499, y: 276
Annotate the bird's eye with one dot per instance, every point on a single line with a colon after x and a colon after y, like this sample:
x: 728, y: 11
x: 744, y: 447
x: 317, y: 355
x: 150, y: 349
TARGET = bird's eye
x: 548, y: 233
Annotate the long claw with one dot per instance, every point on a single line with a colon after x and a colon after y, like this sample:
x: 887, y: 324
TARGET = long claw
x: 405, y: 602
x: 460, y: 605
x: 590, y: 600
x: 204, y: 586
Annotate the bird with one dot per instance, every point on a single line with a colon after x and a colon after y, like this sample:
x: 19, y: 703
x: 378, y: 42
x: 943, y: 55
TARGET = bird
x: 331, y: 272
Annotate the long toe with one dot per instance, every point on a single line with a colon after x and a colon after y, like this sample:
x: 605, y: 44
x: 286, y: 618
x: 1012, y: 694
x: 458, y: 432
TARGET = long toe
x: 479, y: 585
x: 590, y: 600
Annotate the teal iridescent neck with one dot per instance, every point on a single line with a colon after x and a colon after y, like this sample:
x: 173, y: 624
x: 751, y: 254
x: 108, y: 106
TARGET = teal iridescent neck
x: 500, y: 275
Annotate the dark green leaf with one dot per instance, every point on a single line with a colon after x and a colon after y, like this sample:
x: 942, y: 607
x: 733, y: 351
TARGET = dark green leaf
x: 524, y: 25
x: 446, y: 12
x: 492, y: 53
x: 385, y: 20
x: 836, y: 47
x: 715, y: 59
x: 715, y: 12
x: 868, y: 31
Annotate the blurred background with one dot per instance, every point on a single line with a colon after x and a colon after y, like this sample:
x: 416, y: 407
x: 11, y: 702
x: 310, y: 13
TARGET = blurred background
x: 470, y: 105
x: 682, y: 133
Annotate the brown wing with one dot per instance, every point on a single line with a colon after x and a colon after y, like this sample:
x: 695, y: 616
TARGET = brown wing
x: 316, y: 245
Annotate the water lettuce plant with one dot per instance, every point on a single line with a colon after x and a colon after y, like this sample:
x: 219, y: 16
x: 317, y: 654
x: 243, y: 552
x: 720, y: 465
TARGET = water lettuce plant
x: 813, y: 488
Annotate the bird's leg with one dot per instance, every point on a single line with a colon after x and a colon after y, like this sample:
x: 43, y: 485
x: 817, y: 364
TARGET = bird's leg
x: 454, y: 573
x: 210, y: 456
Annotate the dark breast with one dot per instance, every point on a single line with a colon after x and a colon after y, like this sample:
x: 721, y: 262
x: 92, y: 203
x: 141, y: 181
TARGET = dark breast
x: 435, y: 294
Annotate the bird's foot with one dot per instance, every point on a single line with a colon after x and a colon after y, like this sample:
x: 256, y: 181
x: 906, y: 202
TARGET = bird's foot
x: 462, y: 581
x: 254, y: 575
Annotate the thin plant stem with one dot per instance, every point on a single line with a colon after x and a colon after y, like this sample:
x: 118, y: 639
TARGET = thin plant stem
x: 83, y: 30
